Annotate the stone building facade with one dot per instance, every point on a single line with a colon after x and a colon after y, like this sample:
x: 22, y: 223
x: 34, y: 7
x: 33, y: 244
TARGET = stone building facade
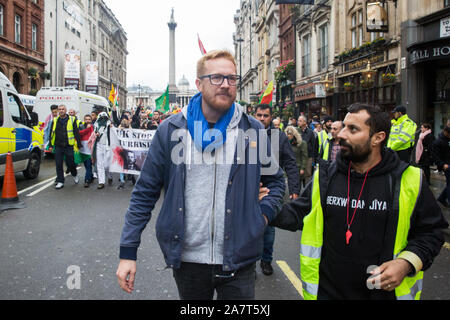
x: 90, y: 27
x: 22, y: 44
x: 256, y: 46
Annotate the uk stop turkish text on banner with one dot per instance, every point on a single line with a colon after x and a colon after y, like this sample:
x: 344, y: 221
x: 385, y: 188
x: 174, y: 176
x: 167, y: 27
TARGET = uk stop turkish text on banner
x: 129, y: 149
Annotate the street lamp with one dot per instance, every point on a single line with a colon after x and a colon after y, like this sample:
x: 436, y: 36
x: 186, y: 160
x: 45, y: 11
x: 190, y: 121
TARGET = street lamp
x: 240, y: 66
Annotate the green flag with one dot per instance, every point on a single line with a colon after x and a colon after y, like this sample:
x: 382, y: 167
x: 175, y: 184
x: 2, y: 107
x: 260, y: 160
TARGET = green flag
x: 162, y: 103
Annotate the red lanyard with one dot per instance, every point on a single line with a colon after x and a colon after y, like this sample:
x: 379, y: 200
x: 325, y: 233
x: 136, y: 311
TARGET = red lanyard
x: 349, y: 234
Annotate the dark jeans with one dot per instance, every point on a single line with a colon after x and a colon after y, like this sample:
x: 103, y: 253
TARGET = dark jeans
x: 198, y: 282
x: 445, y: 195
x: 269, y: 239
x: 89, y: 176
x: 60, y: 152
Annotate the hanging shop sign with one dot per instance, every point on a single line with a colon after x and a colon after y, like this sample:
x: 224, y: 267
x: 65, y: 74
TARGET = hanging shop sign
x: 377, y: 18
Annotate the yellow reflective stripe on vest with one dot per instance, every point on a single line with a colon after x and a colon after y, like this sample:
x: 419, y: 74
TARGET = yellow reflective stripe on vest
x: 311, y: 244
x: 411, y: 287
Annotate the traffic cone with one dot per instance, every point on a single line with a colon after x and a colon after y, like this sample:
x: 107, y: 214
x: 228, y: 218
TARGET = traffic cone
x: 10, y: 199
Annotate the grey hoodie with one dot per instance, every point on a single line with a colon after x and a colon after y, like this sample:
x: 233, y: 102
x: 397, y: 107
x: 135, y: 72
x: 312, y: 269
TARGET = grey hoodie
x: 205, y: 195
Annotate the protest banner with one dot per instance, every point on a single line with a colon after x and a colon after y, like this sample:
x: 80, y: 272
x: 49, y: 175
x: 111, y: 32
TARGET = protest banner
x: 129, y: 149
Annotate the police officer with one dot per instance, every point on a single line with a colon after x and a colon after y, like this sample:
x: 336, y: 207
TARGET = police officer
x: 402, y: 136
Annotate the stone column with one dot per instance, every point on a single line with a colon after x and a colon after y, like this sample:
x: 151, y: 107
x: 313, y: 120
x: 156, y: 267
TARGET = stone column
x: 173, y: 90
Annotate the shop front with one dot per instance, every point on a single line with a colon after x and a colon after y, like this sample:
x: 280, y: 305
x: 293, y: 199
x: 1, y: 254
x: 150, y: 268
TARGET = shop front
x: 312, y: 99
x: 427, y: 74
x: 368, y: 76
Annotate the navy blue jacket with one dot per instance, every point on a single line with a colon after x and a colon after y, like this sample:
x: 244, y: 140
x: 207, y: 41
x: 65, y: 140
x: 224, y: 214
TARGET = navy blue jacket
x: 244, y: 222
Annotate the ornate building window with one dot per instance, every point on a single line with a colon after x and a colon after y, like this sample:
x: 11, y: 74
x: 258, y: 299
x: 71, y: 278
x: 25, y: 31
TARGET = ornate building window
x: 306, y: 55
x: 18, y: 28
x: 323, y: 47
x: 357, y: 28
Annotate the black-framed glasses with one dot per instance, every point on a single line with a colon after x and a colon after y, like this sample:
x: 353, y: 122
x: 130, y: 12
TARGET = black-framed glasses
x: 218, y: 79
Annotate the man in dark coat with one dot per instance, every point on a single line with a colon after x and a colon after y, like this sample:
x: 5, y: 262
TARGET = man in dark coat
x: 289, y: 164
x: 441, y: 155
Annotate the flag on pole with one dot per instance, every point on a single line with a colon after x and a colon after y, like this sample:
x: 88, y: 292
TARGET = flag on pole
x: 162, y: 103
x: 267, y: 96
x: 200, y: 44
x: 112, y: 94
x: 116, y: 97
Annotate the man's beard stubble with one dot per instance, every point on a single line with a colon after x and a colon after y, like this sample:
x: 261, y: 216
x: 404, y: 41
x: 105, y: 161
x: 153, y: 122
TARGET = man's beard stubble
x: 356, y: 154
x: 219, y: 106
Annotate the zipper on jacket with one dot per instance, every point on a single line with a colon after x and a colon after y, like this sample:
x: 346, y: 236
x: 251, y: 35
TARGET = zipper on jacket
x: 213, y: 211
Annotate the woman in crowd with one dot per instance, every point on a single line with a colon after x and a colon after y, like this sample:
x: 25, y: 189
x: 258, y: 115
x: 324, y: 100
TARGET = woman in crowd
x: 423, y: 155
x: 300, y: 149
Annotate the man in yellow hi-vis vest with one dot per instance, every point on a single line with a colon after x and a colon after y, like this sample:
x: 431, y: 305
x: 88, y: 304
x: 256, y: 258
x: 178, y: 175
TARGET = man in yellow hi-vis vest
x: 63, y: 137
x: 370, y: 226
x: 403, y: 133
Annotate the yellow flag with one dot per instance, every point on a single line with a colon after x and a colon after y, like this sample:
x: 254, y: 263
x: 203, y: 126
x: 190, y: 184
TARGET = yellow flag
x: 112, y: 94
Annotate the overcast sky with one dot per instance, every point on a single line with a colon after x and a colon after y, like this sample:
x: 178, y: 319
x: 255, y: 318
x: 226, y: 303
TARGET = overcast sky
x: 145, y: 23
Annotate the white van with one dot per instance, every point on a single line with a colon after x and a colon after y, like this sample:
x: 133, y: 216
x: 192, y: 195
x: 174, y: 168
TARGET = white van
x: 82, y: 102
x: 19, y: 133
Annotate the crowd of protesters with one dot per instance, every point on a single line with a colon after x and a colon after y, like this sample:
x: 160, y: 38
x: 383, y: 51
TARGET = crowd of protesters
x: 87, y: 141
x: 304, y: 146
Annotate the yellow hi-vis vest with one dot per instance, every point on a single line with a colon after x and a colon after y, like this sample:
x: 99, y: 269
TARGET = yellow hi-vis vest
x: 322, y: 136
x: 326, y: 149
x: 403, y: 133
x: 312, y: 237
x: 70, y: 135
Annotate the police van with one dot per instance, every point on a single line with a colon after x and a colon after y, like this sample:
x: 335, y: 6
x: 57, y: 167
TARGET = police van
x: 27, y: 101
x: 19, y: 134
x: 82, y: 102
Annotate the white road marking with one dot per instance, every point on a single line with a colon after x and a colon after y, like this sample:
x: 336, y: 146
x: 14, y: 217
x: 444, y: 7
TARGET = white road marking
x: 36, y: 185
x: 49, y: 182
x: 40, y: 189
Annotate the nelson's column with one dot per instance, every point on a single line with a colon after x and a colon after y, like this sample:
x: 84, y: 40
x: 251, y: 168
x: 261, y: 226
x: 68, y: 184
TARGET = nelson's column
x: 173, y: 90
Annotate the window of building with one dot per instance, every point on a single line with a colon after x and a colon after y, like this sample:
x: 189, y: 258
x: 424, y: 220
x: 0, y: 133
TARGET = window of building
x: 17, y: 28
x: 446, y: 3
x: 34, y: 36
x: 357, y: 28
x: 323, y: 47
x: 1, y: 20
x: 306, y: 56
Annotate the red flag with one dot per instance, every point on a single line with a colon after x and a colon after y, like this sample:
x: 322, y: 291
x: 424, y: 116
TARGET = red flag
x: 267, y: 96
x: 200, y: 44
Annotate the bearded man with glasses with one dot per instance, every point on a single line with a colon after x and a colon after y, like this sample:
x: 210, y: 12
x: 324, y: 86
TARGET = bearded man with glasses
x: 212, y: 221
